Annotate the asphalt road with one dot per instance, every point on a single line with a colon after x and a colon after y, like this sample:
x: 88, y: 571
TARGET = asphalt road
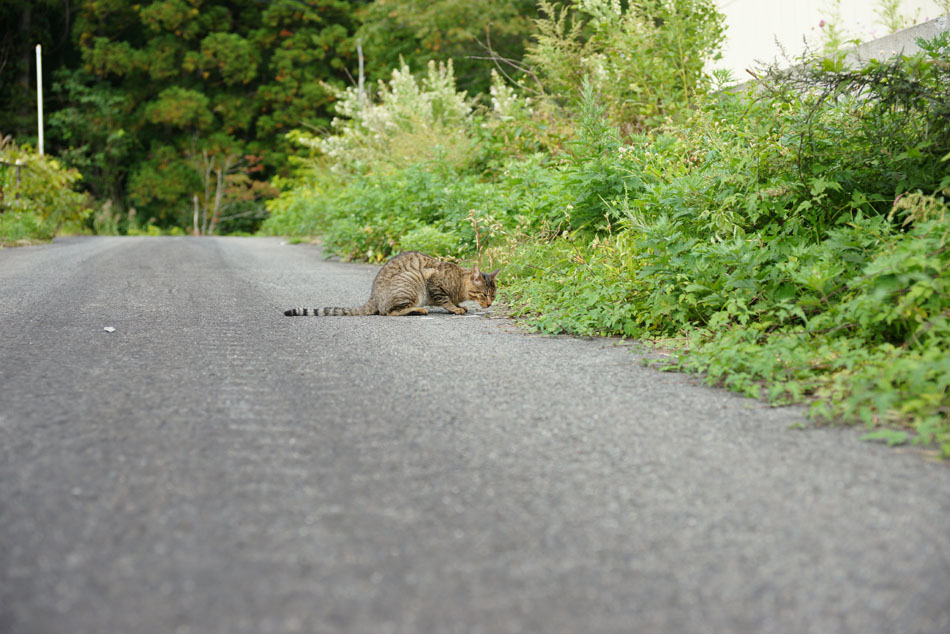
x: 214, y: 466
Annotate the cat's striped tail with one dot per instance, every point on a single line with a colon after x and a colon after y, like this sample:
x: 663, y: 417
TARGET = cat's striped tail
x: 365, y: 309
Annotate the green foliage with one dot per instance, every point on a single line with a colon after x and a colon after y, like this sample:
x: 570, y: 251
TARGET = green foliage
x: 294, y: 212
x: 373, y: 217
x: 161, y: 185
x: 591, y: 174
x: 785, y: 241
x: 411, y: 121
x: 429, y: 239
x: 164, y: 89
x: 862, y: 137
x: 231, y: 57
x: 177, y: 107
x: 645, y: 59
x: 791, y: 243
x: 417, y: 32
x: 37, y: 195
x: 572, y: 284
x: 518, y: 126
x: 90, y: 128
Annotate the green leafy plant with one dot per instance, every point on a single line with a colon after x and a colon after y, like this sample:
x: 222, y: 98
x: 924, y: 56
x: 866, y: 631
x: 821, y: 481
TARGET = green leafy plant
x: 37, y: 195
x: 645, y: 59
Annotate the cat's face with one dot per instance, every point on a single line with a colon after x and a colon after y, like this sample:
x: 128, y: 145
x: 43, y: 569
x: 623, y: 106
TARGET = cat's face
x: 482, y: 287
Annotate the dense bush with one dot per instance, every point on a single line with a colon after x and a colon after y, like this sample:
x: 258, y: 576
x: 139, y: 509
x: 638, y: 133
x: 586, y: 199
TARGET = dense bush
x: 393, y: 176
x: 796, y: 243
x: 40, y: 201
x: 646, y: 59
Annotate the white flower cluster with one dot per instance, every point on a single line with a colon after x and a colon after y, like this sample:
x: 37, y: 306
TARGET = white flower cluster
x: 365, y: 130
x: 598, y: 67
x: 602, y: 12
x: 505, y: 102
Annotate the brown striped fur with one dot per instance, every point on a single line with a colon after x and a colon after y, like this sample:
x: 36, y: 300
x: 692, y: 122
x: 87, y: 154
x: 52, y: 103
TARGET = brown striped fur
x: 411, y: 281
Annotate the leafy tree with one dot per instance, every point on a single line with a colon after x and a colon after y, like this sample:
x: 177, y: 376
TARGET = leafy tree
x: 173, y: 86
x: 419, y: 31
x: 89, y: 133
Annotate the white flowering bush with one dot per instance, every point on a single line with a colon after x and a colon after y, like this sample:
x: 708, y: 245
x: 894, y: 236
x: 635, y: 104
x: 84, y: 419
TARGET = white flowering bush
x: 410, y: 121
x: 506, y: 104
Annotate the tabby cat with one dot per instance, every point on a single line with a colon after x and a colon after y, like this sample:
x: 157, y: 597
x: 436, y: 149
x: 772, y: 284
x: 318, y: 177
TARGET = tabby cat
x: 411, y: 281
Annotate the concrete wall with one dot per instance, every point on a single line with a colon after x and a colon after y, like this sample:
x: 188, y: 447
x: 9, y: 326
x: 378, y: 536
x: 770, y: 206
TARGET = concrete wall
x: 768, y: 30
x: 900, y: 43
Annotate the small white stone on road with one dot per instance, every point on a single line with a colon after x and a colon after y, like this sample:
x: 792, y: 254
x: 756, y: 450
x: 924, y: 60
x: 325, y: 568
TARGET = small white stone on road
x: 109, y: 329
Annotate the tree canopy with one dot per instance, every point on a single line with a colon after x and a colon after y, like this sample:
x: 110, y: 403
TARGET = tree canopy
x: 161, y: 103
x: 205, y: 89
x: 420, y: 31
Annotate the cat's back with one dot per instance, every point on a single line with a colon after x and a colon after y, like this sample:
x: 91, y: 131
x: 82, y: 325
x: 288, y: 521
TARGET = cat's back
x: 412, y: 259
x: 408, y: 266
x: 405, y: 261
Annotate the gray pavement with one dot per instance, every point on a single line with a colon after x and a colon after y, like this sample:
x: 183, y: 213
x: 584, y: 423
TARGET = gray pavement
x: 214, y: 466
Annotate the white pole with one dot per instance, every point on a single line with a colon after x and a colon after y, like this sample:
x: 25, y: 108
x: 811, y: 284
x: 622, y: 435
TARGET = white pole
x: 361, y: 91
x: 39, y: 94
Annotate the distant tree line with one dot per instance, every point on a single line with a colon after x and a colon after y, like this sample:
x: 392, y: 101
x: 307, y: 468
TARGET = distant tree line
x: 176, y: 111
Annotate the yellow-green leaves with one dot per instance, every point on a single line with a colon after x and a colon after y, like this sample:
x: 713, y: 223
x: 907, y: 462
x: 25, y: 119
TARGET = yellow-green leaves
x: 181, y: 108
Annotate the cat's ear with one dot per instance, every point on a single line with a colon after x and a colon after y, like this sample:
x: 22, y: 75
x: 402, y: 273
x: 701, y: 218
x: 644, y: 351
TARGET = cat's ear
x: 493, y: 274
x: 476, y: 273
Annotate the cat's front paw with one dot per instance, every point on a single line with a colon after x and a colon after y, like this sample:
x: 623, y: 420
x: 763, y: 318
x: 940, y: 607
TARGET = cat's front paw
x: 459, y: 310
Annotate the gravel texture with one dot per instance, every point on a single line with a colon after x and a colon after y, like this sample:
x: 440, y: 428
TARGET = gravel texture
x: 214, y: 466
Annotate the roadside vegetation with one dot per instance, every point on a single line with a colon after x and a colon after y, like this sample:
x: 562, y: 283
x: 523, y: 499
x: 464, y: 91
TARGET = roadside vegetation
x: 789, y: 242
x: 37, y: 196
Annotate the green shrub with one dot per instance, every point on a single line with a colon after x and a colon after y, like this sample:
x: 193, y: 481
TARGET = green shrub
x: 412, y: 121
x: 646, y: 59
x: 38, y: 203
x: 301, y: 206
x: 788, y: 242
x: 430, y: 240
